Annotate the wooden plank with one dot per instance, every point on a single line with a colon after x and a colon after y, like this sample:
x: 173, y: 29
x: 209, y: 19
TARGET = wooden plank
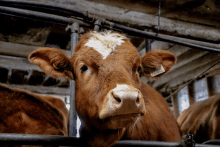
x: 177, y: 50
x: 182, y: 78
x: 42, y: 89
x: 155, y: 45
x: 20, y: 50
x: 140, y: 19
x: 175, y: 74
x: 187, y: 57
x: 17, y: 63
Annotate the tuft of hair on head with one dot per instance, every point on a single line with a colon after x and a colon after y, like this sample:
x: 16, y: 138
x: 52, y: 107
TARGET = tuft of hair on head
x: 105, y: 42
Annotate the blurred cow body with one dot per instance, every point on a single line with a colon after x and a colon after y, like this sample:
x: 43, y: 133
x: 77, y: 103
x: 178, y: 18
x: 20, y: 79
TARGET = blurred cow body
x: 202, y: 119
x: 28, y: 113
x: 111, y: 100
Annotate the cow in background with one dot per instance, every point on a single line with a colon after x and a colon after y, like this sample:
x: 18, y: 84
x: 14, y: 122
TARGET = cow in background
x: 202, y: 119
x: 28, y: 113
x: 111, y: 100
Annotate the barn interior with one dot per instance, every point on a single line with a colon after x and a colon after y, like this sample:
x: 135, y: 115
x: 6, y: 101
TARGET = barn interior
x: 191, y: 21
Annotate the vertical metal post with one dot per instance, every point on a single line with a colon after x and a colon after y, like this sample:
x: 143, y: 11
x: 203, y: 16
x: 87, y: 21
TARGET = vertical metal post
x: 148, y: 45
x: 74, y: 28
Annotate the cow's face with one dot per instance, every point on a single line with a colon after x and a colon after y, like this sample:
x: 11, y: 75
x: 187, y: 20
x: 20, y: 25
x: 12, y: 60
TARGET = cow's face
x: 106, y: 68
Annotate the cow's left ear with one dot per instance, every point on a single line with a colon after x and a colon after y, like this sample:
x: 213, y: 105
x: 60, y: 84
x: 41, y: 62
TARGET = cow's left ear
x: 53, y: 62
x: 156, y: 63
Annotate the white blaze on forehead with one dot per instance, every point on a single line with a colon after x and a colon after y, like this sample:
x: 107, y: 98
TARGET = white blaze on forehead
x: 105, y: 43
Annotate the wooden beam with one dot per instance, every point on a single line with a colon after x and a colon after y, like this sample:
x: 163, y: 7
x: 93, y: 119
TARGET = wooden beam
x: 42, y: 89
x: 177, y: 50
x: 181, y: 71
x: 20, y: 50
x: 17, y: 63
x: 180, y: 79
x: 140, y: 19
x: 187, y: 57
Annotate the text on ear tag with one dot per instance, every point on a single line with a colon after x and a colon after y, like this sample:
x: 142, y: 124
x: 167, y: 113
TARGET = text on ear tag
x: 155, y: 72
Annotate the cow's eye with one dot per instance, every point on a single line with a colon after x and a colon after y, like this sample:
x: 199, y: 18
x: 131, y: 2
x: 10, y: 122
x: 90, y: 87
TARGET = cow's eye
x: 84, y: 68
x: 139, y: 69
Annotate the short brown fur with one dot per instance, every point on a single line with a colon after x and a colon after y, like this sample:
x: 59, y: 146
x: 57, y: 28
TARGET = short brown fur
x: 28, y: 113
x: 100, y: 77
x: 202, y: 119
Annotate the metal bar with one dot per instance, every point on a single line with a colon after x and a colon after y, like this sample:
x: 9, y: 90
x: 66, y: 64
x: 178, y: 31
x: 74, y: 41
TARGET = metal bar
x: 30, y: 139
x: 38, y: 15
x: 205, y: 145
x: 72, y: 113
x: 212, y: 142
x: 136, y: 143
x: 148, y: 45
x: 139, y: 33
x: 108, y: 24
x: 52, y: 9
x: 57, y: 140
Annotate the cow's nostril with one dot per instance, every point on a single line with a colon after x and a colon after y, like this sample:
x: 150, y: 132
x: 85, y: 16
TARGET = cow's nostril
x: 116, y: 97
x: 138, y: 99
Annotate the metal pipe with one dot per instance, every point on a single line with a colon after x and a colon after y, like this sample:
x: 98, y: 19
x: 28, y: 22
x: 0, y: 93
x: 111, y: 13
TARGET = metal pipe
x: 56, y: 140
x: 213, y: 142
x: 38, y: 15
x: 139, y: 33
x: 42, y: 7
x: 205, y: 145
x: 30, y: 139
x: 136, y: 143
x: 108, y: 24
x: 148, y: 45
x: 74, y: 28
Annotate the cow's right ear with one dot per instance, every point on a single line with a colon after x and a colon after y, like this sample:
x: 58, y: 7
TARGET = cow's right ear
x: 157, y: 62
x: 53, y: 62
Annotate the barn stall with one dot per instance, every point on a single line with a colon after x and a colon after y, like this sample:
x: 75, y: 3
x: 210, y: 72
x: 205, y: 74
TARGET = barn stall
x: 189, y: 29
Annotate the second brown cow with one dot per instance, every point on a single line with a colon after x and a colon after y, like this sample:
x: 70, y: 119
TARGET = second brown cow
x: 202, y: 119
x: 111, y: 100
x: 24, y: 112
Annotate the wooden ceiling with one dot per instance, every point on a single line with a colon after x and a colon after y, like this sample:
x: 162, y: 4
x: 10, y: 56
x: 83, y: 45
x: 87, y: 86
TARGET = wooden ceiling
x: 196, y: 21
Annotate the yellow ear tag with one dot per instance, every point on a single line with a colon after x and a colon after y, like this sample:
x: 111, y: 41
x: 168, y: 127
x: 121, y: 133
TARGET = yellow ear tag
x: 155, y: 72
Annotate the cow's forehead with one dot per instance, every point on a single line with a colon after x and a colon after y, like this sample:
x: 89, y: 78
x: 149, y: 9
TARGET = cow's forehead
x: 105, y: 43
x: 101, y: 48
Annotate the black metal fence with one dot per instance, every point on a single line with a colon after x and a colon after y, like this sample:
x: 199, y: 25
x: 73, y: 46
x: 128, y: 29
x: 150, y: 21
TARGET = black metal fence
x: 65, y: 16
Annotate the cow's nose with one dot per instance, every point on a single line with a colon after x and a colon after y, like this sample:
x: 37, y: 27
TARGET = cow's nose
x: 122, y: 100
x: 130, y: 98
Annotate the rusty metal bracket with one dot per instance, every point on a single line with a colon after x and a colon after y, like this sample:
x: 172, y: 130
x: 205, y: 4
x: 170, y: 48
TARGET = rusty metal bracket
x: 188, y: 141
x: 97, y: 25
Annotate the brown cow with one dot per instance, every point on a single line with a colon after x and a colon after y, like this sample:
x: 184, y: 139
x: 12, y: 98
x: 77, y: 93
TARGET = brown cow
x: 111, y: 100
x: 28, y: 113
x: 202, y: 119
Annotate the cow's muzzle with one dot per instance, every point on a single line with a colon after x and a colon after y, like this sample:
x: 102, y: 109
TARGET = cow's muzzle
x: 124, y: 100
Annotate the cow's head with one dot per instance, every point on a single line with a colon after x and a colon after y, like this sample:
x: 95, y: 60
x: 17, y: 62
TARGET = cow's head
x: 107, y: 70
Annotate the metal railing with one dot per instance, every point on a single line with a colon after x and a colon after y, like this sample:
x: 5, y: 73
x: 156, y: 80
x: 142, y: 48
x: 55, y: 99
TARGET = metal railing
x: 79, y: 18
